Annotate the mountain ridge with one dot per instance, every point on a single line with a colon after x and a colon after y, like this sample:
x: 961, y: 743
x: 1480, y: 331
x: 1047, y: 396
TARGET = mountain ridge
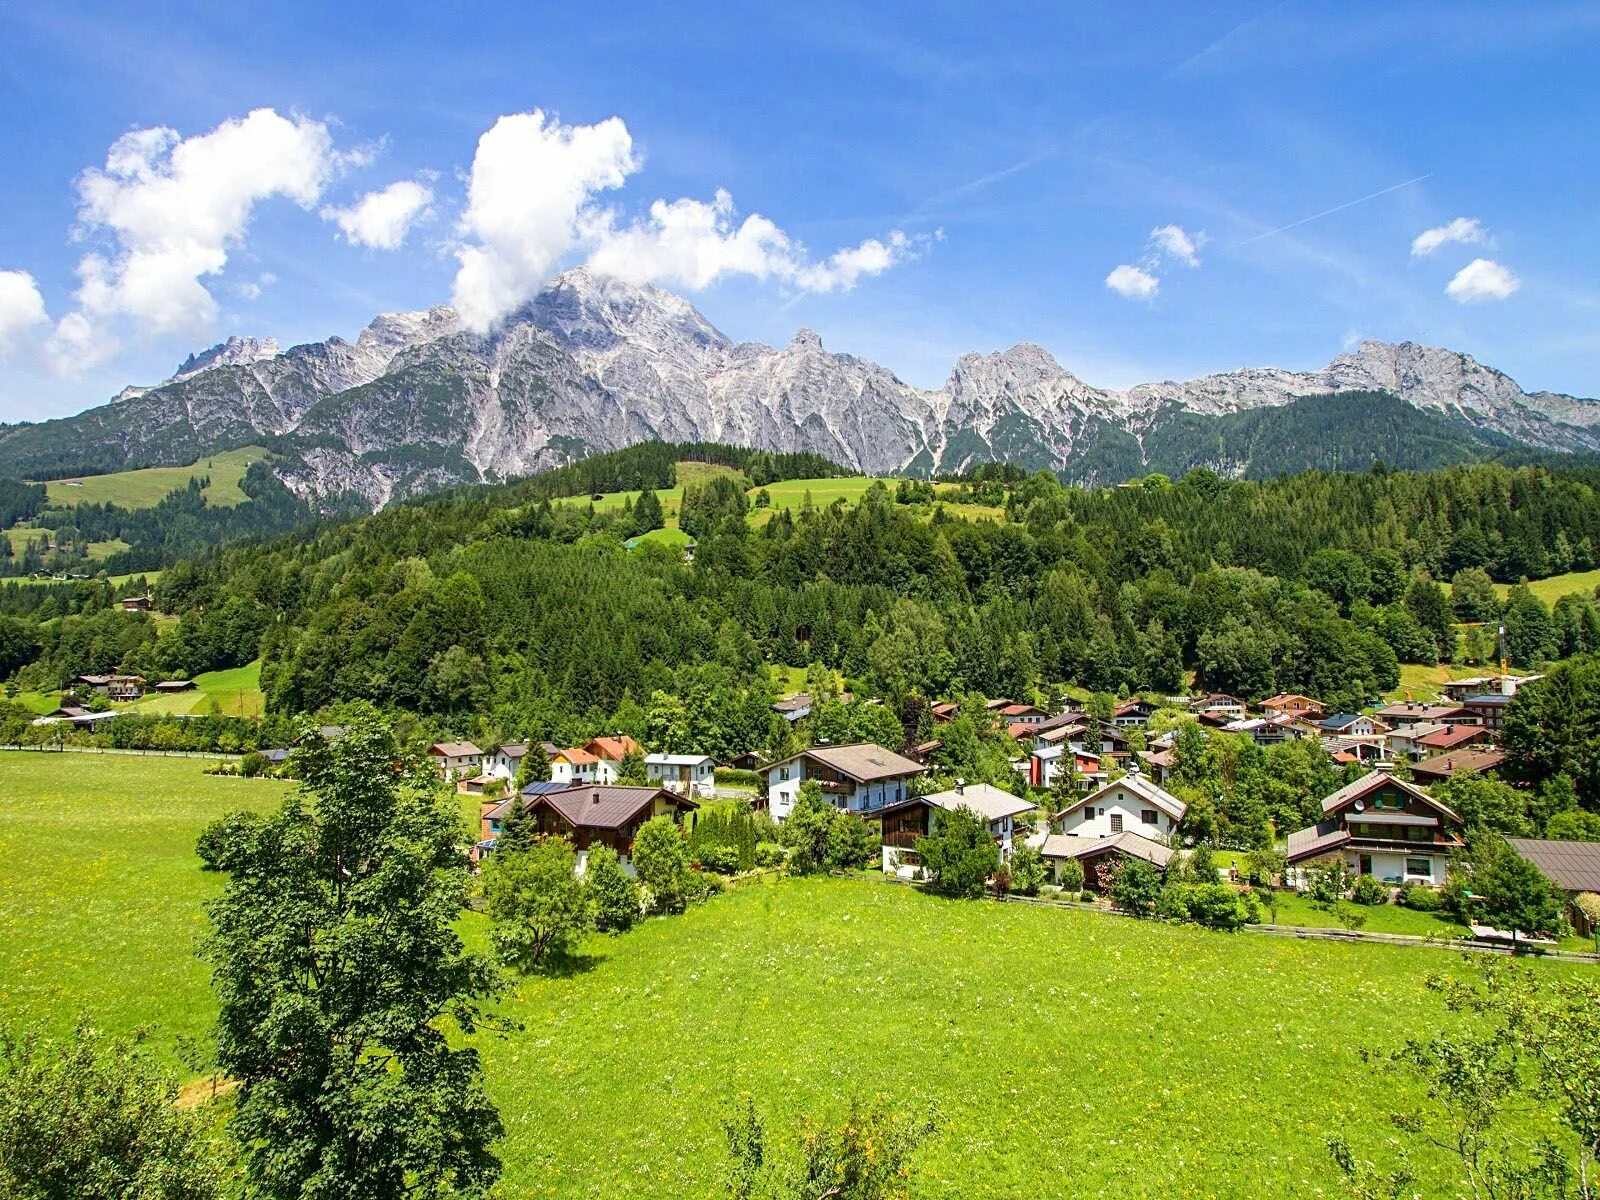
x: 590, y: 364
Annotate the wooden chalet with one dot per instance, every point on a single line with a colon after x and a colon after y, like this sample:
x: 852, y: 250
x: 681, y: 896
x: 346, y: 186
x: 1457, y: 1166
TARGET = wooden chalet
x: 1382, y: 826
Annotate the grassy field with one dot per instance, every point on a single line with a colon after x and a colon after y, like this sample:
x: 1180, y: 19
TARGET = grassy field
x: 144, y: 488
x: 237, y: 693
x: 100, y: 893
x: 1556, y: 586
x: 1069, y: 1052
x: 1421, y: 682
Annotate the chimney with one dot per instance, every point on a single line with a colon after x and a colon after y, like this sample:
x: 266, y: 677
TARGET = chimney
x: 596, y: 799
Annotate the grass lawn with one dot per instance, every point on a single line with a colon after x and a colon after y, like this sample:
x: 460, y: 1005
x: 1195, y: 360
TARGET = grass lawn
x: 673, y: 537
x: 1295, y: 909
x: 1556, y: 586
x: 1421, y: 682
x: 144, y: 488
x: 1071, y: 1053
x: 236, y: 691
x: 100, y: 892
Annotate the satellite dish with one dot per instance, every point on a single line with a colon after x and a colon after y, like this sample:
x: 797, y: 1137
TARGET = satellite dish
x: 1359, y: 805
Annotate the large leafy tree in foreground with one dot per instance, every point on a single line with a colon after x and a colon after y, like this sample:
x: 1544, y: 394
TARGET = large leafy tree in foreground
x: 342, y: 983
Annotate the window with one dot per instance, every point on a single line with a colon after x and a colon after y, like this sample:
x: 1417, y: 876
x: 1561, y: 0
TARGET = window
x: 1088, y: 813
x: 1419, y: 866
x: 1116, y: 822
x: 1149, y: 817
x: 783, y: 773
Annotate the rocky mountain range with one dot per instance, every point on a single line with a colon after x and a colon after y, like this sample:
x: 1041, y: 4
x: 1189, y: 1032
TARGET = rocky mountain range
x: 591, y: 364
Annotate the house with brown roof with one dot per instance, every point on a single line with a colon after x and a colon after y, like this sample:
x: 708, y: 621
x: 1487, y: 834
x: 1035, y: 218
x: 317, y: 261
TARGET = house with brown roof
x: 1382, y: 826
x: 945, y: 710
x: 1425, y: 739
x: 1292, y: 704
x: 1574, y: 867
x: 588, y: 815
x: 1133, y: 714
x: 1099, y: 856
x: 903, y: 823
x: 1411, y: 712
x: 1022, y: 714
x: 859, y: 778
x: 608, y: 755
x: 456, y: 760
x: 1456, y: 762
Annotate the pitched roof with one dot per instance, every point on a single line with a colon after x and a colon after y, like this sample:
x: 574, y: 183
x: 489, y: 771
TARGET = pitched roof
x: 1456, y: 761
x: 864, y: 761
x: 1371, y: 782
x: 453, y: 749
x: 586, y: 806
x: 1128, y: 842
x: 989, y: 802
x: 1139, y: 786
x: 1571, y: 866
x: 514, y: 749
x: 792, y: 703
x: 576, y: 755
x: 1339, y: 721
x: 1283, y: 698
x: 676, y: 760
x: 1020, y: 710
x: 1317, y: 840
x: 612, y: 748
x: 1420, y: 711
x: 1452, y: 735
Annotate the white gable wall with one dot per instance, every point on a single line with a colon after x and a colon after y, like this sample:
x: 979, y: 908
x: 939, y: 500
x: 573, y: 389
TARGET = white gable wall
x: 1117, y: 810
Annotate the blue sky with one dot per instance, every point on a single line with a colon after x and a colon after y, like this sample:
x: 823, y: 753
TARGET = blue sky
x: 981, y: 172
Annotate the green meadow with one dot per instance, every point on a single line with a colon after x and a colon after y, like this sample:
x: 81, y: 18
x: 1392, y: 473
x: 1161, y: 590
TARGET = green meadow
x: 144, y: 488
x: 1553, y: 587
x: 1068, y: 1052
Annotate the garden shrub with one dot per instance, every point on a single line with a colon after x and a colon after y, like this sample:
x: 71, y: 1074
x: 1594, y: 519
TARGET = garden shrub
x: 724, y: 860
x: 1420, y: 898
x: 769, y: 854
x: 1070, y: 875
x: 1369, y: 891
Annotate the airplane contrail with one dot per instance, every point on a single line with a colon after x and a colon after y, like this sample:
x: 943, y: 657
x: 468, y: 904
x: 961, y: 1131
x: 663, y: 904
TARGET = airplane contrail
x: 1329, y: 212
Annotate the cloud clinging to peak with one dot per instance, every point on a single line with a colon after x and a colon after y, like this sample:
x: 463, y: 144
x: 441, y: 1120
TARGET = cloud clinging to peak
x: 534, y: 199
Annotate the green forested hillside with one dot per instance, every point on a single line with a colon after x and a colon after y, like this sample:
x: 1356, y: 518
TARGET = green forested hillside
x: 497, y: 611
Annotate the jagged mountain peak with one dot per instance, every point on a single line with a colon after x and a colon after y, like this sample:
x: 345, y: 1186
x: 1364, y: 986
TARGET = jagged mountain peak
x: 594, y: 363
x: 235, y: 351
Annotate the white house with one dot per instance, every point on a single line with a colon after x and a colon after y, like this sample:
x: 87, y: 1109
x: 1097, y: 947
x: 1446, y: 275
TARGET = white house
x: 902, y: 824
x: 573, y: 765
x: 858, y: 778
x: 686, y: 774
x: 1131, y: 804
x: 455, y: 760
x: 506, y: 761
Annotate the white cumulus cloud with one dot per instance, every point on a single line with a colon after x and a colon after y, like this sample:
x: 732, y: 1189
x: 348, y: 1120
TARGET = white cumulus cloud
x: 176, y: 205
x: 1462, y: 229
x: 1481, y: 279
x: 1175, y: 243
x: 1135, y: 283
x: 532, y: 179
x: 692, y: 244
x: 21, y: 310
x: 382, y: 219
x: 532, y: 200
